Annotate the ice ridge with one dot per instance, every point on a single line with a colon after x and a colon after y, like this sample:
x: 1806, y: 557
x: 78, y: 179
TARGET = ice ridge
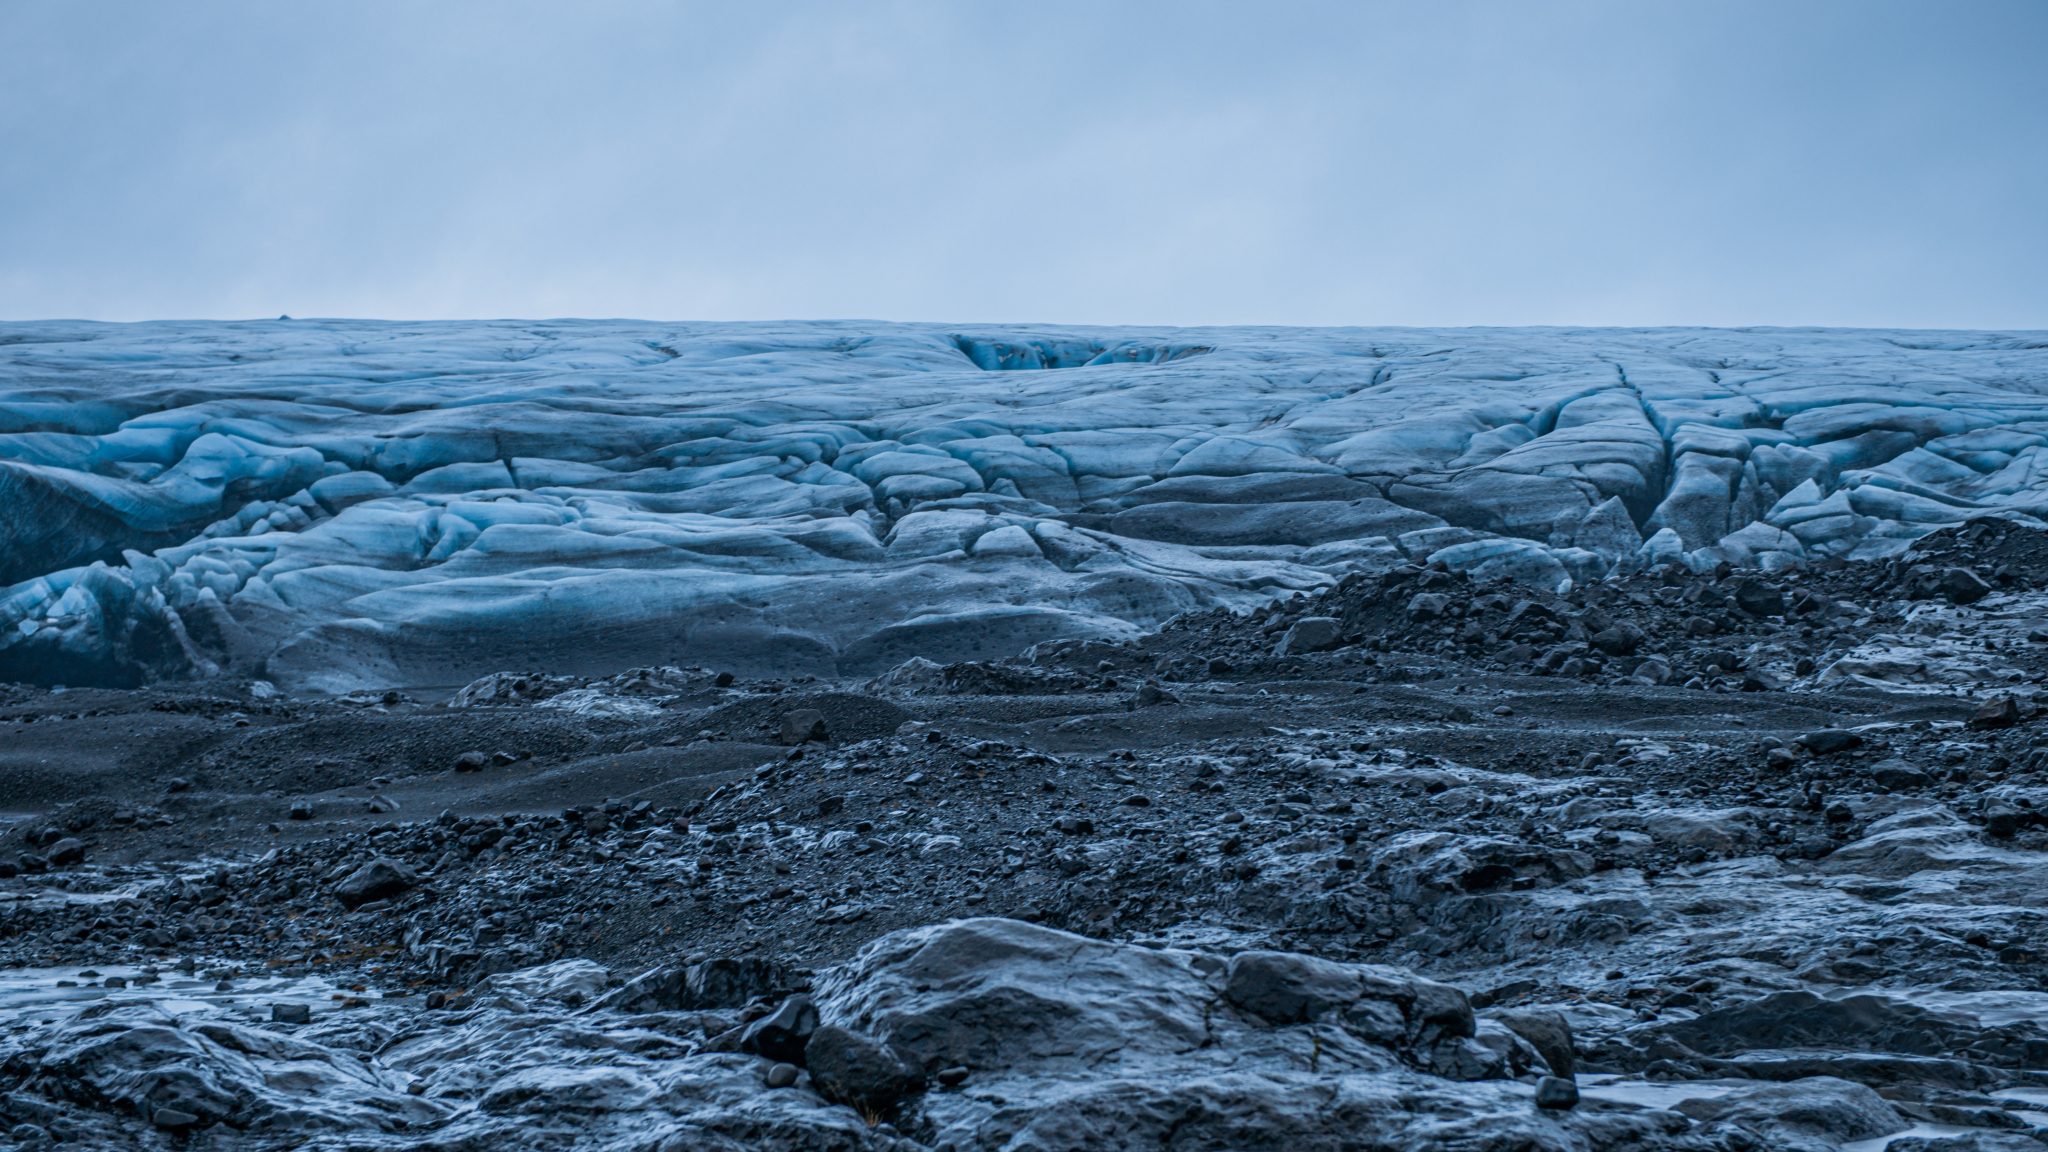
x: 340, y: 504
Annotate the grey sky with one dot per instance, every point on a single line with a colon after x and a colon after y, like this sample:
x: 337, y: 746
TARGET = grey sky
x: 1438, y: 162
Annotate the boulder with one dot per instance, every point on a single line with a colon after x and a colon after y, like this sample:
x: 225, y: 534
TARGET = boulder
x: 141, y: 1062
x: 69, y: 850
x: 380, y: 879
x: 782, y: 1034
x: 1428, y: 867
x: 1896, y: 775
x: 1828, y: 741
x: 1386, y: 1005
x: 1804, y: 1020
x: 1151, y: 694
x: 1310, y: 634
x: 1546, y: 1031
x: 1620, y: 640
x: 1997, y: 712
x: 720, y: 982
x: 1556, y: 1092
x: 859, y: 1071
x: 1822, y: 1107
x: 803, y: 726
x: 1962, y: 586
x: 1427, y: 606
x: 1759, y: 598
x: 572, y: 982
x: 993, y: 993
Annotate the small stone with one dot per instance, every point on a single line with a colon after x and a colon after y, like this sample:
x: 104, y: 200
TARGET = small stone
x: 177, y: 784
x: 301, y: 810
x: 472, y: 761
x: 1220, y: 667
x: 291, y: 1013
x: 1503, y: 710
x: 66, y: 851
x: 953, y: 1077
x: 723, y: 680
x: 1556, y: 1092
x: 173, y: 1118
x: 782, y: 1075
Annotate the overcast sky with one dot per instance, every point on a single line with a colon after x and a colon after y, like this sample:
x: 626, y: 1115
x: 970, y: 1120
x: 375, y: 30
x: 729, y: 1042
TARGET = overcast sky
x: 1174, y: 162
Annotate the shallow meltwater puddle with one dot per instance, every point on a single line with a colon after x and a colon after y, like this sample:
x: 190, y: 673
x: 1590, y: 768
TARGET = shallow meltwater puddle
x: 33, y: 996
x: 1657, y: 1093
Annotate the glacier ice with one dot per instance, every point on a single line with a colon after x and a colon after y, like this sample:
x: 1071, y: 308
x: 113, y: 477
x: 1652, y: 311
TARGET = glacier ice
x: 347, y: 504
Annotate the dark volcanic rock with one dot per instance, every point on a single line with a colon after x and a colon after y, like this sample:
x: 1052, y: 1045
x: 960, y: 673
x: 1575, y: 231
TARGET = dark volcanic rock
x: 859, y: 1071
x: 803, y: 725
x: 380, y: 879
x: 782, y: 1034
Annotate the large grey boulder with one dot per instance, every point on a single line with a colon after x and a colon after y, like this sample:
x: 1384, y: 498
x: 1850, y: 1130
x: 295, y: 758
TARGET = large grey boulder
x: 1428, y: 867
x: 720, y: 982
x: 1385, y: 1004
x: 1310, y: 634
x: 380, y: 879
x: 141, y: 1062
x: 991, y: 993
x: 1817, y: 1114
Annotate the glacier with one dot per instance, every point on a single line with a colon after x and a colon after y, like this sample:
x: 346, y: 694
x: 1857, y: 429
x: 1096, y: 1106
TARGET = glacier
x: 345, y: 504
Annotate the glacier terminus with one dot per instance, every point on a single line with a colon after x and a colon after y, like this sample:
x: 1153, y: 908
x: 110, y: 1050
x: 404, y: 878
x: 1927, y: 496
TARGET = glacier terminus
x: 346, y: 504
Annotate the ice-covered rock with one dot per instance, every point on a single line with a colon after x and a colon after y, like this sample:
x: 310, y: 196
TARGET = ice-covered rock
x: 349, y: 504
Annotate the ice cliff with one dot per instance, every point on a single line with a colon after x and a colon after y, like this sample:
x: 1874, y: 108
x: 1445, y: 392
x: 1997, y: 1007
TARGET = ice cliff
x: 342, y: 504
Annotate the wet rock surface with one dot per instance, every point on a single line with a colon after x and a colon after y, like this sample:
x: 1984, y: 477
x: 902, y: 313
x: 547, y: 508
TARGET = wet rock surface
x: 1709, y: 879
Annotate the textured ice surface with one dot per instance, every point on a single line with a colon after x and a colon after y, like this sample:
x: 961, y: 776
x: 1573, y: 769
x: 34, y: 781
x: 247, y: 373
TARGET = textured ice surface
x: 345, y: 504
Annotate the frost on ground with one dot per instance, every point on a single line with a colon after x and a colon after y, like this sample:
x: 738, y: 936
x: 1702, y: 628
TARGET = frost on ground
x: 348, y: 504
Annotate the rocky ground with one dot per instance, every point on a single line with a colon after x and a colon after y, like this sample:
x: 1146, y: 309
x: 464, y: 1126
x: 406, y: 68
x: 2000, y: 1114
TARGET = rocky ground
x: 1733, y: 861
